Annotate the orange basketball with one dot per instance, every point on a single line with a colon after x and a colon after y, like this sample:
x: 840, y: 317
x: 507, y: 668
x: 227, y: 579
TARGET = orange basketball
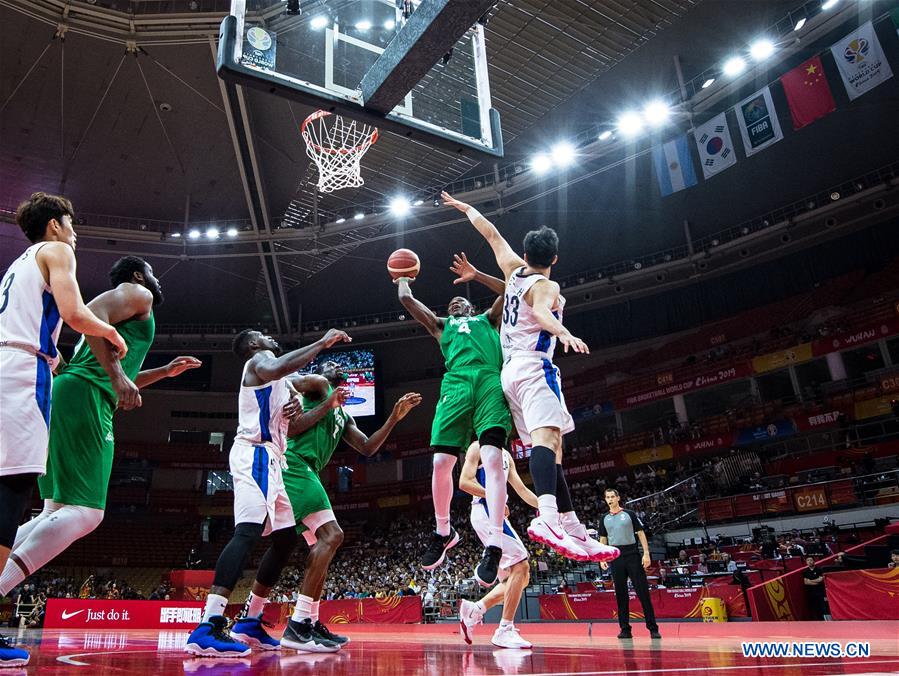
x: 403, y: 263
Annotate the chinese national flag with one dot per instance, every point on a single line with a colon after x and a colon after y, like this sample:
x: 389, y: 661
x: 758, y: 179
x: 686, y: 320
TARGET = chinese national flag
x: 808, y: 93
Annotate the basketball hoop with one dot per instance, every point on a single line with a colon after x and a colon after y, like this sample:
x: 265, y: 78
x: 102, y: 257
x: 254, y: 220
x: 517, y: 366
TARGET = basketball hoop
x: 337, y: 145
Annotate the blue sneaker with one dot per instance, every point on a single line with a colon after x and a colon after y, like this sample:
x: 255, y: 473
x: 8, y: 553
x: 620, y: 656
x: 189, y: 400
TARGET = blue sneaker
x: 251, y: 631
x: 210, y: 640
x: 12, y: 657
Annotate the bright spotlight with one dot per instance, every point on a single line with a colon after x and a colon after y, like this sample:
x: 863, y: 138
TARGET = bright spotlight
x: 212, y: 233
x: 827, y: 4
x: 562, y: 154
x: 194, y: 234
x: 541, y: 163
x: 734, y: 66
x: 606, y: 135
x: 400, y: 206
x: 389, y: 25
x: 363, y: 25
x: 232, y: 232
x: 761, y: 49
x: 418, y: 203
x: 340, y: 220
x: 630, y: 124
x: 176, y: 235
x: 358, y: 216
x: 319, y: 22
x: 800, y: 24
x: 708, y: 83
x: 656, y: 113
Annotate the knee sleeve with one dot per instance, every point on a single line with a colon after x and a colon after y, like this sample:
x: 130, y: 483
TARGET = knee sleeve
x: 231, y: 562
x: 276, y: 556
x: 15, y: 493
x: 495, y: 436
x: 444, y: 462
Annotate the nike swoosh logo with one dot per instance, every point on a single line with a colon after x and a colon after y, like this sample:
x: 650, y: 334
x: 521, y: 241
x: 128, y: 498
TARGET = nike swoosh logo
x: 66, y: 614
x: 549, y: 528
x: 575, y: 537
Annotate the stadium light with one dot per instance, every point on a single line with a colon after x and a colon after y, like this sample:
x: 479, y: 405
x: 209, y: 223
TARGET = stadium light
x: 562, y: 154
x: 734, y: 66
x: 761, y: 49
x: 400, y: 206
x: 800, y: 24
x: 176, y: 235
x: 656, y: 113
x: 606, y: 135
x: 358, y: 216
x: 340, y: 220
x: 630, y: 124
x: 827, y: 4
x: 212, y: 233
x: 363, y: 25
x: 418, y: 203
x: 318, y: 22
x: 194, y: 234
x: 389, y: 25
x: 232, y: 232
x: 541, y: 163
x: 708, y: 83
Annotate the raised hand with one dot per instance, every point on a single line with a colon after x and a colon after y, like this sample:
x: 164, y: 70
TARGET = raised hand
x: 450, y: 201
x: 573, y: 343
x: 179, y: 365
x: 461, y: 267
x: 334, y: 336
x: 405, y: 404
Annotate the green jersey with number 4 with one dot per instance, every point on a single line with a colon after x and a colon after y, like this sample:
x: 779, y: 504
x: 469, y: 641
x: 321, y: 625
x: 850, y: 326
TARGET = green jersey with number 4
x: 468, y: 342
x: 316, y: 445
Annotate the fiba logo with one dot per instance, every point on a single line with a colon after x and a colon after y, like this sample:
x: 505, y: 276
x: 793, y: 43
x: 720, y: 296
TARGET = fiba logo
x: 856, y: 51
x: 259, y: 38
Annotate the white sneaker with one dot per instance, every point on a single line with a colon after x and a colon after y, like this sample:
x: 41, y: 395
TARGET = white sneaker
x: 554, y: 536
x: 508, y: 637
x: 469, y: 617
x: 596, y: 550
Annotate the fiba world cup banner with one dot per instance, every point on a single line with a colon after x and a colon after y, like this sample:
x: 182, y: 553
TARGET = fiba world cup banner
x: 860, y: 60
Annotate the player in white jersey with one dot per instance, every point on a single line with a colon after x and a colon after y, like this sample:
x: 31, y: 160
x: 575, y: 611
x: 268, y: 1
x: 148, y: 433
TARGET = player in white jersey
x: 265, y: 405
x: 531, y: 326
x: 514, y: 571
x: 38, y: 292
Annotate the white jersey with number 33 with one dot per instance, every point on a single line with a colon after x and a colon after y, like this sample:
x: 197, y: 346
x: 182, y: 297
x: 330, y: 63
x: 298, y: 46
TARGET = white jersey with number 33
x: 521, y: 333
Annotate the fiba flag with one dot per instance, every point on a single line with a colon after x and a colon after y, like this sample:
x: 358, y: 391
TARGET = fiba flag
x: 716, y: 150
x: 808, y: 93
x: 758, y: 121
x: 860, y: 61
x: 674, y: 166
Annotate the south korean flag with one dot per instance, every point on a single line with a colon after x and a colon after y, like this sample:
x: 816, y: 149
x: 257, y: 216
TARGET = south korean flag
x: 716, y: 150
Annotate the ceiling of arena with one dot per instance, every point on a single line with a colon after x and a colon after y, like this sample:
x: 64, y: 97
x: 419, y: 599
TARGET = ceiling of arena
x: 116, y: 104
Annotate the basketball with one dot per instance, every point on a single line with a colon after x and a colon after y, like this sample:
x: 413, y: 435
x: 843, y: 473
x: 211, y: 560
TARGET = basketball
x: 403, y: 263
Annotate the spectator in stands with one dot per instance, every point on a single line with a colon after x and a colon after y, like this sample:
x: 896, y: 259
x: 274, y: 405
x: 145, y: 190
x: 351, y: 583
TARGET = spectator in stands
x: 662, y: 580
x: 894, y: 559
x: 682, y: 558
x: 814, y: 586
x: 729, y: 564
x: 702, y: 566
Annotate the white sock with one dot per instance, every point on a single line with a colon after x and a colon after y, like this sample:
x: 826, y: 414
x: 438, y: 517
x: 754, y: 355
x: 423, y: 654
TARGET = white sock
x: 495, y: 480
x: 255, y: 605
x: 314, y: 612
x: 47, y: 539
x: 570, y: 522
x: 215, y: 605
x: 546, y: 505
x: 442, y: 489
x: 303, y: 609
x: 506, y: 623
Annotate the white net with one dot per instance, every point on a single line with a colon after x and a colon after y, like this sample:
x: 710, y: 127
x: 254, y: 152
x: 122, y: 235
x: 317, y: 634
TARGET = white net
x: 336, y: 145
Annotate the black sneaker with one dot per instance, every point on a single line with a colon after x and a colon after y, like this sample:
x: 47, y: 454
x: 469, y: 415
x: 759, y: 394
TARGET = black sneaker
x: 330, y: 635
x: 654, y: 633
x: 436, y: 552
x: 624, y: 633
x: 303, y: 636
x: 488, y: 567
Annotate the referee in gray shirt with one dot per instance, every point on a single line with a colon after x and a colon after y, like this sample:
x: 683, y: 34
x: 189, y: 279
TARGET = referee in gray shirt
x: 621, y: 528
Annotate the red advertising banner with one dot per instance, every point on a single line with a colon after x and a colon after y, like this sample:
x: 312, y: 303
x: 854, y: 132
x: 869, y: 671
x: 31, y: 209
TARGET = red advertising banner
x: 863, y: 594
x: 707, y: 379
x: 865, y: 335
x: 667, y: 603
x: 107, y: 614
x: 820, y: 420
x: 191, y: 585
x: 705, y: 445
x: 390, y: 610
x: 782, y: 599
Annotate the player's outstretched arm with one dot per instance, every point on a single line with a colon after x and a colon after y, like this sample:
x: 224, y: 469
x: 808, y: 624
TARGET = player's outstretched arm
x: 419, y: 311
x: 506, y: 257
x: 174, y: 368
x: 469, y: 273
x: 268, y: 368
x: 368, y: 446
x: 308, y: 419
x: 468, y: 477
x: 518, y: 486
x: 59, y: 260
x: 115, y: 306
x: 544, y: 295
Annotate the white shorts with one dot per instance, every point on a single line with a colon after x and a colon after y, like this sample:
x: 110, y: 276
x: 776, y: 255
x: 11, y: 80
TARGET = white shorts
x: 513, y: 549
x: 25, y: 386
x: 533, y: 388
x: 259, y: 494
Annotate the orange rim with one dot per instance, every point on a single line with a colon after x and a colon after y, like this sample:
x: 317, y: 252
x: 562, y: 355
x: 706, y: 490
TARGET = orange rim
x: 318, y: 114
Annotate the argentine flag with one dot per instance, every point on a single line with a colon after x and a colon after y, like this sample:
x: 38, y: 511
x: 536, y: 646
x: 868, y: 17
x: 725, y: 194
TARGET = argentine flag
x: 674, y: 166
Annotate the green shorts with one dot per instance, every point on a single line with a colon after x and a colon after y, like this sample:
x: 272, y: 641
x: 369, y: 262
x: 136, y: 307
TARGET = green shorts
x: 471, y: 402
x: 304, y: 490
x: 81, y: 445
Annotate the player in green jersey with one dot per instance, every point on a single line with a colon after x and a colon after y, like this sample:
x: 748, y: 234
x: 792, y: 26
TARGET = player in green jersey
x: 312, y: 439
x: 86, y: 394
x: 471, y: 404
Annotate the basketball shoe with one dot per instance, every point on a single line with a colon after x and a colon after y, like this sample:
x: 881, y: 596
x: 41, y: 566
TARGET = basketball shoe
x: 596, y: 550
x: 251, y: 631
x: 209, y: 639
x: 302, y: 636
x: 508, y: 637
x: 12, y: 657
x: 554, y: 536
x: 469, y: 617
x: 488, y: 567
x: 435, y: 554
x: 330, y: 635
